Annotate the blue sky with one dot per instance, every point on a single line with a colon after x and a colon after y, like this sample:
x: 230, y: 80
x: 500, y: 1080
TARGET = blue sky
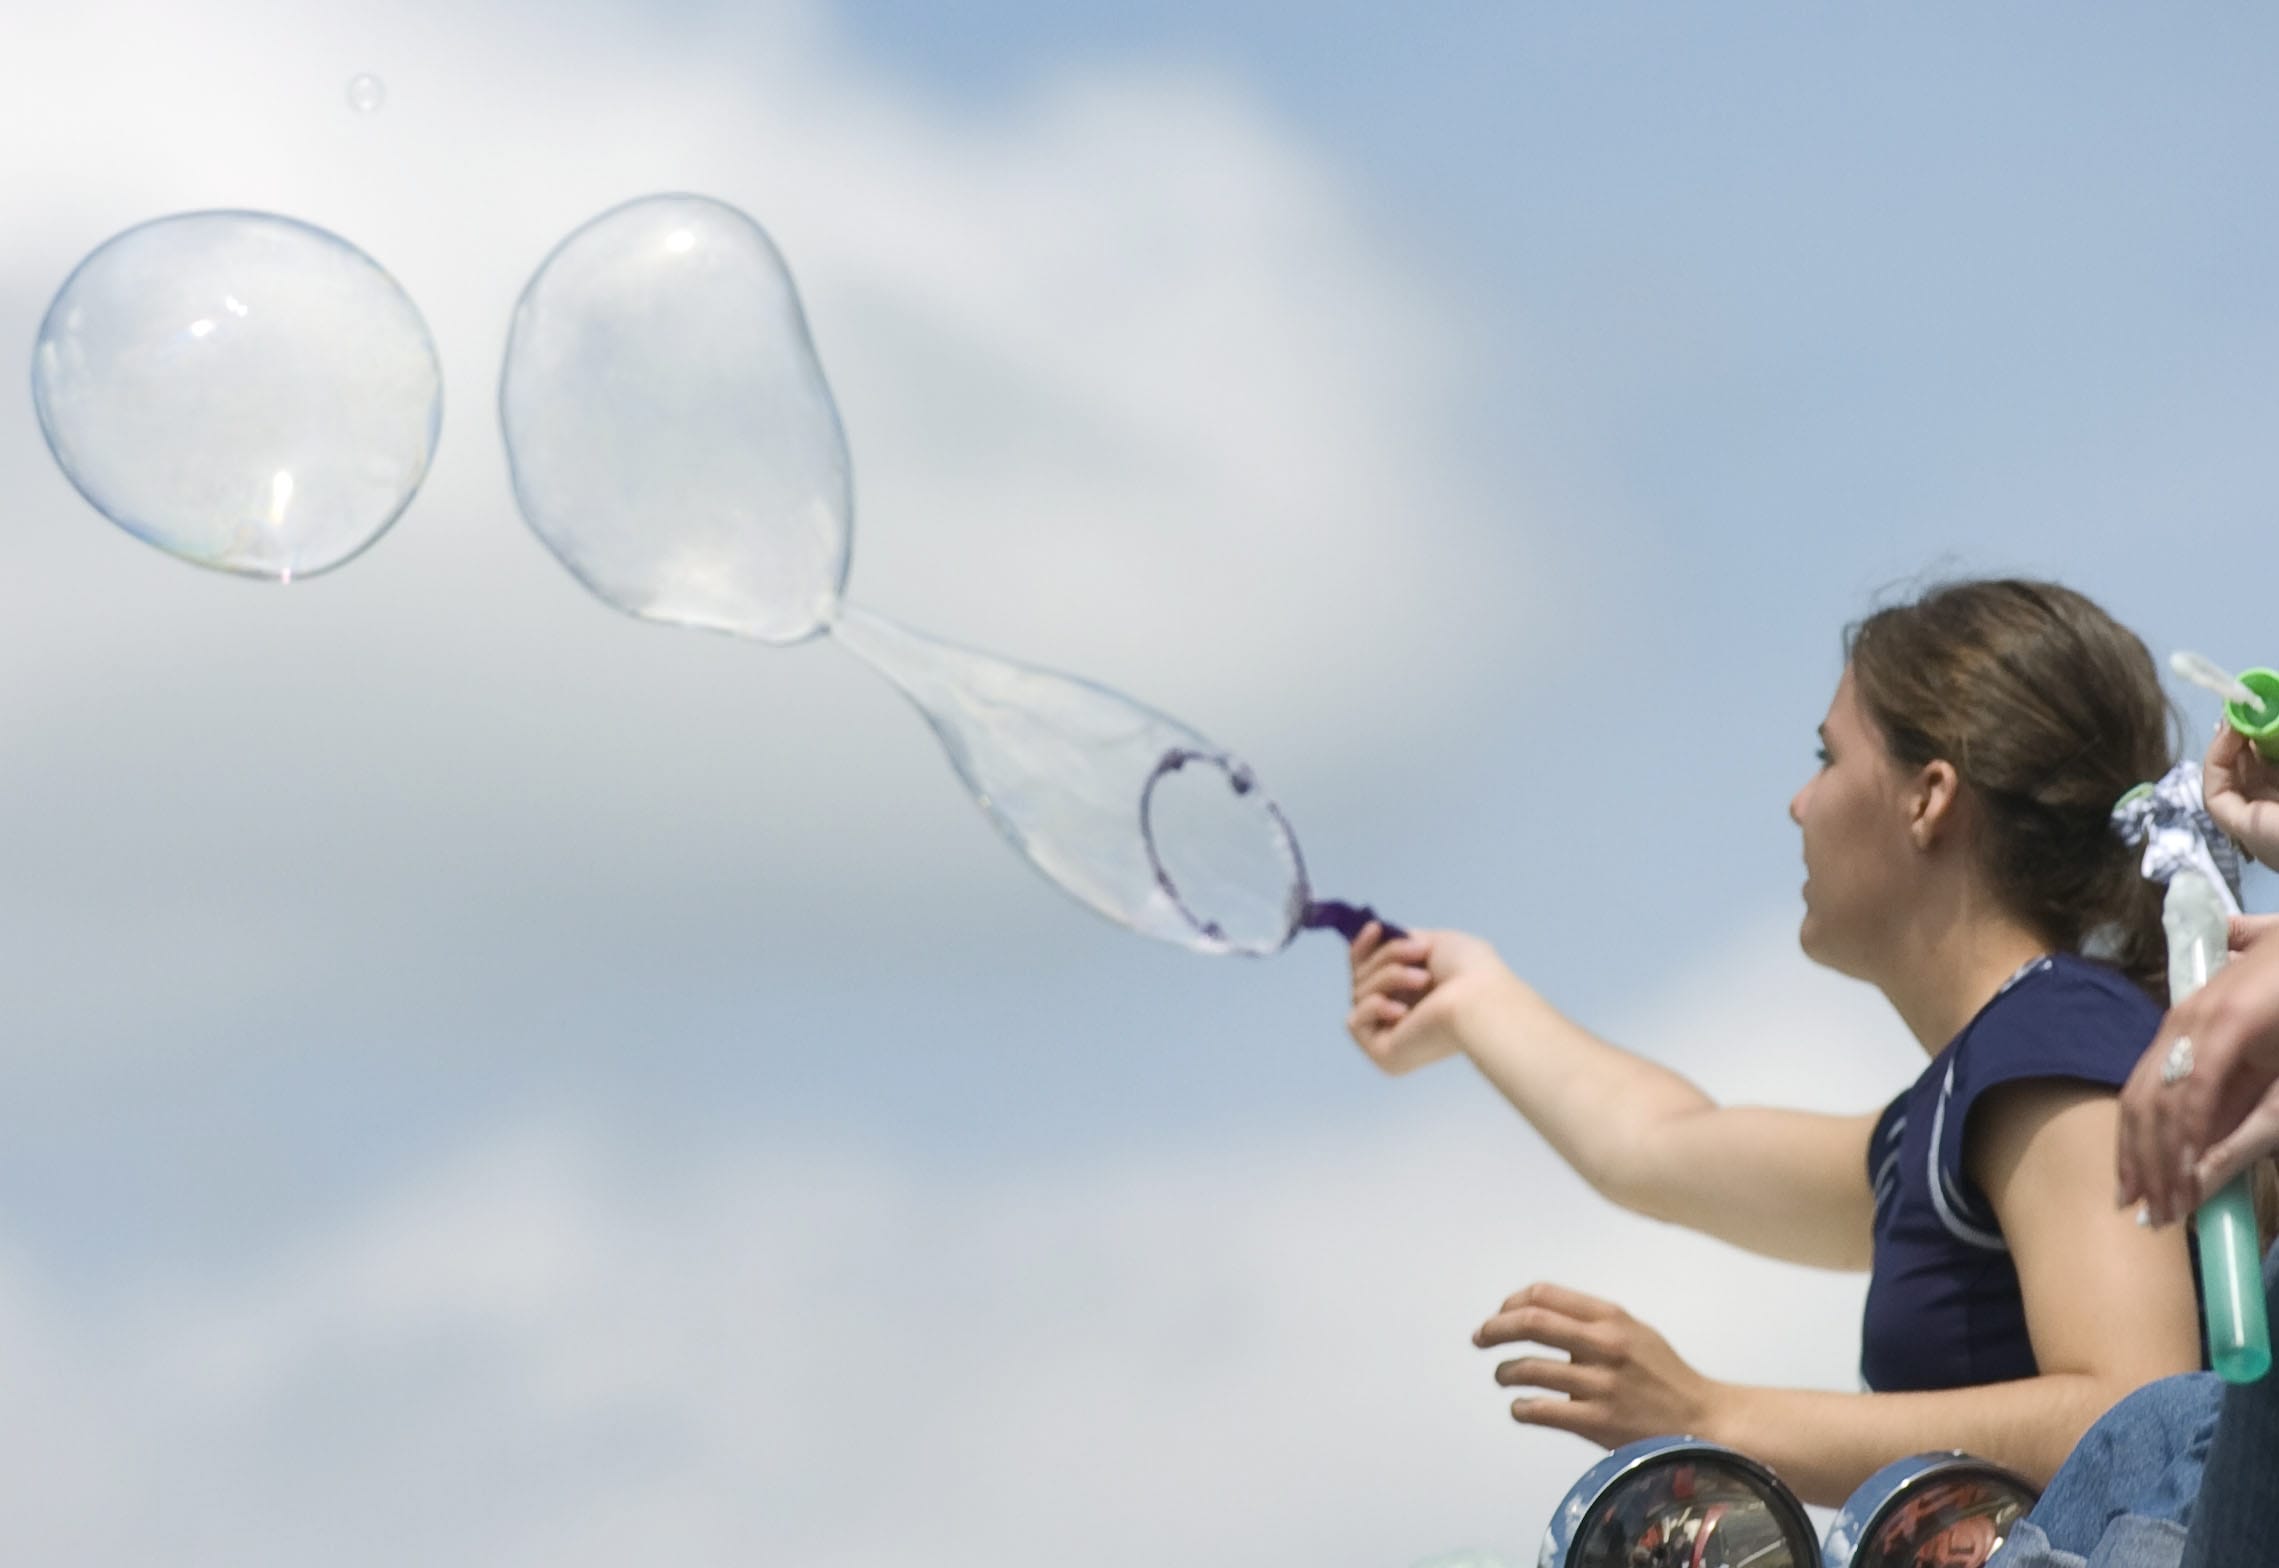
x: 443, y: 1006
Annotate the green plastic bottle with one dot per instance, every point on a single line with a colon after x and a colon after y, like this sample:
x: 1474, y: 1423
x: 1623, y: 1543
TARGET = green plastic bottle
x: 2231, y: 1261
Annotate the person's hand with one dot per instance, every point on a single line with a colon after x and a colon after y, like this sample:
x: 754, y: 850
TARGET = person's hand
x: 2241, y: 788
x: 1622, y: 1381
x: 2182, y: 1140
x: 1408, y: 993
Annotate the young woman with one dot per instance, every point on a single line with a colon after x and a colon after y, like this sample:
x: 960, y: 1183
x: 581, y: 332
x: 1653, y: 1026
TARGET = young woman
x: 1959, y: 859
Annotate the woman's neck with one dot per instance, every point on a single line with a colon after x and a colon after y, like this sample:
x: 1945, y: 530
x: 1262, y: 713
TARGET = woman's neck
x: 1956, y: 968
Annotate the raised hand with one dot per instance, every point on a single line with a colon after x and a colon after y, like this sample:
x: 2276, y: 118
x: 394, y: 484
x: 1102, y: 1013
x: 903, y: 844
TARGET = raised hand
x: 1621, y: 1380
x: 2241, y: 787
x: 2194, y: 1115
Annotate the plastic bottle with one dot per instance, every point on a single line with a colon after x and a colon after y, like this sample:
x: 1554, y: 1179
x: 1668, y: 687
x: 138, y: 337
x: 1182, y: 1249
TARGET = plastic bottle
x: 2231, y: 1261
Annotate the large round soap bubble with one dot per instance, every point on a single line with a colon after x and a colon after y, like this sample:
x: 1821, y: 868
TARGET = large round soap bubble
x: 672, y: 438
x: 241, y: 389
x: 674, y: 443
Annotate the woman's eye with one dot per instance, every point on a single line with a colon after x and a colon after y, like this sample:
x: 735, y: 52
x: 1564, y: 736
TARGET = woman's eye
x: 1821, y: 752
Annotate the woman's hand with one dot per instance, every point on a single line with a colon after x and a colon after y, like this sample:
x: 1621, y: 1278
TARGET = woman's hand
x: 2241, y: 788
x: 1408, y: 993
x: 1622, y: 1381
x: 2182, y: 1140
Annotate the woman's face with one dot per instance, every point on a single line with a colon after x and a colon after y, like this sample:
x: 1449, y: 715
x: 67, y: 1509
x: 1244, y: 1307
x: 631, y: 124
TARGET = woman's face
x: 1859, y: 857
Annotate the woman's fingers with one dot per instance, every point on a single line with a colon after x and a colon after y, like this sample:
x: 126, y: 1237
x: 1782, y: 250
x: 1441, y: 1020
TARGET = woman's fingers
x: 2158, y: 1144
x: 1402, y: 982
x: 1533, y: 1326
x: 2256, y: 1135
x: 2149, y: 1164
x: 2170, y: 1156
x: 1533, y: 1316
x: 1590, y: 1309
x: 2247, y: 930
x: 1571, y: 1378
x: 1408, y: 952
x: 1561, y: 1415
x: 1374, y: 1014
x: 1618, y: 1380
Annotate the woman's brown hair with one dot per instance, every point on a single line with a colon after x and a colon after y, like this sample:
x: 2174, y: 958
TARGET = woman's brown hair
x: 2049, y: 709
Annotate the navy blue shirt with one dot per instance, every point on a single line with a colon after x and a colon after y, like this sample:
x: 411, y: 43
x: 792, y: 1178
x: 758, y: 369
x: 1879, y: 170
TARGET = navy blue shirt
x: 1943, y: 1307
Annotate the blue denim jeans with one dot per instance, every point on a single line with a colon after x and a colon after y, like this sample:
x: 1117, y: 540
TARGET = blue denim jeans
x: 2126, y: 1493
x: 2131, y: 1541
x: 2182, y: 1472
x: 2237, y: 1521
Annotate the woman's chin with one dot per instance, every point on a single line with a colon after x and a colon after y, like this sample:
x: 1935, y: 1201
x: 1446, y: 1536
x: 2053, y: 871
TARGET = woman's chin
x: 1851, y: 962
x: 1811, y: 937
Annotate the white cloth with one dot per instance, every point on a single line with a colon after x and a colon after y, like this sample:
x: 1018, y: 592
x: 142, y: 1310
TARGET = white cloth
x: 2170, y: 818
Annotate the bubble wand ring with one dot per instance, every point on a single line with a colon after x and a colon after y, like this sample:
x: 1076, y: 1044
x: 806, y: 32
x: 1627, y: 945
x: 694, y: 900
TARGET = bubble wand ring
x: 1303, y: 911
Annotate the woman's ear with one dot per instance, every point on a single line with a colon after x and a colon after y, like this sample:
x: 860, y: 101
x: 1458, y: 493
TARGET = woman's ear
x: 1933, y: 803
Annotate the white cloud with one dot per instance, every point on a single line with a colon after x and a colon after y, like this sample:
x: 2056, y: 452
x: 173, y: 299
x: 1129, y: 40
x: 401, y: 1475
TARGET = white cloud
x: 554, y: 1349
x: 1136, y: 384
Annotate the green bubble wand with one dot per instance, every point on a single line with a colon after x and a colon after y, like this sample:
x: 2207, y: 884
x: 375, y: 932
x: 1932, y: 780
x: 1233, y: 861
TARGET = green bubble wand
x: 2251, y: 698
x: 2231, y: 1260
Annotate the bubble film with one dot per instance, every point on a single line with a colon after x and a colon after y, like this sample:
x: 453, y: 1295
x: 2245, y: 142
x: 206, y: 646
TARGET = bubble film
x: 1066, y: 768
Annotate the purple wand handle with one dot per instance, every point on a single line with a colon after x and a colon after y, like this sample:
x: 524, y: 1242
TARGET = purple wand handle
x: 1346, y: 919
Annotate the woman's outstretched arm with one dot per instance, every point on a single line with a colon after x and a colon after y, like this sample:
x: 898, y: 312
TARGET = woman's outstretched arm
x: 1789, y: 1184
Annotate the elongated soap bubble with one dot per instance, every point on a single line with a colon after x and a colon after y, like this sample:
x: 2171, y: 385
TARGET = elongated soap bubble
x: 673, y: 441
x: 1135, y: 814
x: 243, y: 390
x: 672, y: 438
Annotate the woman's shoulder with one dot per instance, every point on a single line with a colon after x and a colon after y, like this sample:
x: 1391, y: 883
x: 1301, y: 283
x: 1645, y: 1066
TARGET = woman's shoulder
x: 2081, y: 991
x: 2064, y: 1017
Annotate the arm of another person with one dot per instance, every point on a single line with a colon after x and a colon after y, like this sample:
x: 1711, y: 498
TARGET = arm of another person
x: 1788, y: 1184
x: 2182, y: 1140
x: 2109, y: 1308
